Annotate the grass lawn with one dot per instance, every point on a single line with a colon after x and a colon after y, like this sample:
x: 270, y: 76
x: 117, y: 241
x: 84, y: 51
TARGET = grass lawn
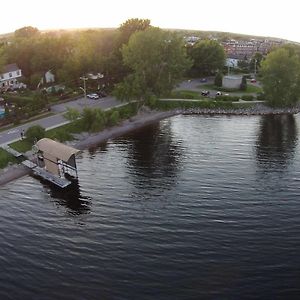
x: 6, y: 158
x: 250, y: 89
x: 21, y: 145
x: 185, y: 94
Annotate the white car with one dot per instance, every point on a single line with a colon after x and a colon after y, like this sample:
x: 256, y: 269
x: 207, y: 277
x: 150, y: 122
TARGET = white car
x: 93, y: 96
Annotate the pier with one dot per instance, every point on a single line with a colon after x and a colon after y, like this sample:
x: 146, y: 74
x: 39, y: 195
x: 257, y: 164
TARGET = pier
x: 53, y: 161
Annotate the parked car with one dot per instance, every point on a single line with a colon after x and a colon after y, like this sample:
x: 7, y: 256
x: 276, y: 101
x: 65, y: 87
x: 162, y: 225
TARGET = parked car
x: 203, y: 80
x: 253, y: 80
x: 218, y: 93
x: 93, y: 96
x: 205, y: 93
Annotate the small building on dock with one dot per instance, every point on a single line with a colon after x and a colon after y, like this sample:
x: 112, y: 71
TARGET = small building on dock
x: 56, y: 159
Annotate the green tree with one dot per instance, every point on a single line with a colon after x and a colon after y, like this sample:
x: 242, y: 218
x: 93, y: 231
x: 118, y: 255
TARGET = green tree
x: 208, y: 57
x: 72, y: 114
x: 255, y: 62
x: 158, y: 60
x: 219, y: 79
x: 26, y: 32
x: 35, y: 133
x: 243, y: 86
x: 281, y: 76
x: 128, y: 28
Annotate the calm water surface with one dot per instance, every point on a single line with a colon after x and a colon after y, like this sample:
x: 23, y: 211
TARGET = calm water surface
x: 191, y: 208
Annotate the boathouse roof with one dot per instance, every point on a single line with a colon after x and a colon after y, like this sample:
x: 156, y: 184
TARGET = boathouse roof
x: 56, y: 149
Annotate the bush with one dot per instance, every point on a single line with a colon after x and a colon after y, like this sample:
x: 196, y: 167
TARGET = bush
x: 227, y: 98
x: 219, y: 79
x: 35, y: 133
x: 261, y: 96
x: 6, y: 158
x: 72, y: 114
x: 243, y: 86
x: 114, y: 118
x: 247, y: 97
x: 185, y: 95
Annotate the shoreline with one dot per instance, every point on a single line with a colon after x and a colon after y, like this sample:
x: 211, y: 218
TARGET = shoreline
x: 257, y: 110
x: 88, y: 140
x: 16, y: 171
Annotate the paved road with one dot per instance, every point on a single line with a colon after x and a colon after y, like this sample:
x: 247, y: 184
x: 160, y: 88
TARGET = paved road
x: 196, y: 85
x: 58, y: 119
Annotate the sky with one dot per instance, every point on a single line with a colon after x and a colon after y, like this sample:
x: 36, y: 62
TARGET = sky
x: 255, y: 17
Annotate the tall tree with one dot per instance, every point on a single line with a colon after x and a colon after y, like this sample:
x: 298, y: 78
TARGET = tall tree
x: 118, y: 71
x: 157, y: 58
x: 128, y: 28
x: 281, y: 76
x: 26, y: 32
x: 208, y: 56
x: 255, y: 62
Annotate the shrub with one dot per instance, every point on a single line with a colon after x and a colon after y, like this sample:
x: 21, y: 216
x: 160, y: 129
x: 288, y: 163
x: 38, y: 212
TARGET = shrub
x: 114, y: 118
x: 261, y: 96
x: 227, y: 98
x: 219, y: 79
x: 72, y: 114
x: 243, y: 86
x: 247, y: 97
x: 185, y: 95
x: 35, y: 133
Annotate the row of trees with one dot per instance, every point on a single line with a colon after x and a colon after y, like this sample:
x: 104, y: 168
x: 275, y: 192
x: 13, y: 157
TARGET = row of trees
x: 141, y: 60
x: 71, y: 54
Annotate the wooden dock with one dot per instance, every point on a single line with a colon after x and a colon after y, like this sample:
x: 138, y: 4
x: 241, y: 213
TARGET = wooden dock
x: 38, y: 171
x: 29, y: 164
x: 60, y: 182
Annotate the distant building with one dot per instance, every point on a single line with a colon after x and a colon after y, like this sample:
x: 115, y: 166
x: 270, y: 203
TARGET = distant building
x: 232, y: 82
x: 46, y: 78
x: 49, y: 77
x: 231, y: 62
x: 10, y: 76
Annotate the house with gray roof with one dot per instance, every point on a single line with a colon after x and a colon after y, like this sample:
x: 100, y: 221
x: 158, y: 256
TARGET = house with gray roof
x: 10, y: 76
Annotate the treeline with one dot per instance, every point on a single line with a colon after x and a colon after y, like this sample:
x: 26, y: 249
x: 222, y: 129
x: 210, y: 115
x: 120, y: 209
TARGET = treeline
x: 70, y: 55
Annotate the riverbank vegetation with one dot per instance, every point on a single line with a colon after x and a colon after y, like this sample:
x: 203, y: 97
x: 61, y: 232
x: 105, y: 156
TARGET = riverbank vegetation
x: 136, y: 60
x: 6, y: 158
x: 281, y: 76
x: 90, y: 120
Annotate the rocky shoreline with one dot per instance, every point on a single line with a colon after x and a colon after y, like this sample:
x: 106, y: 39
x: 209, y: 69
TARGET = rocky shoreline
x: 257, y: 110
x: 86, y: 140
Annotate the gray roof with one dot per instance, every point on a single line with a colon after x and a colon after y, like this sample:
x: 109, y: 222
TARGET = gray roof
x: 10, y: 68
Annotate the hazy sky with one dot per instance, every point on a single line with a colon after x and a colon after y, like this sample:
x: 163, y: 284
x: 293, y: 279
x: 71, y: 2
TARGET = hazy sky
x: 258, y: 17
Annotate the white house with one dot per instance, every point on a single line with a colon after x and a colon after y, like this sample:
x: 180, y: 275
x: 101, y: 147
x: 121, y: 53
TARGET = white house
x: 49, y: 77
x: 9, y: 77
x: 231, y: 62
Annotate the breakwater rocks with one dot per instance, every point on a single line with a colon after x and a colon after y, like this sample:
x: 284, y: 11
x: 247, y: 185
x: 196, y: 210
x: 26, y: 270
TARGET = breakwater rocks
x: 247, y: 111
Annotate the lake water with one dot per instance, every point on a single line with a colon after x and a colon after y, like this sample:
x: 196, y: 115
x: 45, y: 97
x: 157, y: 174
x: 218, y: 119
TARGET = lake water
x: 195, y: 207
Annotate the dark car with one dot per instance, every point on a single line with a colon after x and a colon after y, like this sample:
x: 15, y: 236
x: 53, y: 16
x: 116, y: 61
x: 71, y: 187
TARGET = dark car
x: 205, y: 93
x: 203, y: 80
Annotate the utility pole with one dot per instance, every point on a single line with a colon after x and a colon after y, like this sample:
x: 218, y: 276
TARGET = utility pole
x: 84, y: 86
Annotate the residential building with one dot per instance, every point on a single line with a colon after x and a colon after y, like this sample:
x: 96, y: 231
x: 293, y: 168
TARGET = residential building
x: 9, y: 78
